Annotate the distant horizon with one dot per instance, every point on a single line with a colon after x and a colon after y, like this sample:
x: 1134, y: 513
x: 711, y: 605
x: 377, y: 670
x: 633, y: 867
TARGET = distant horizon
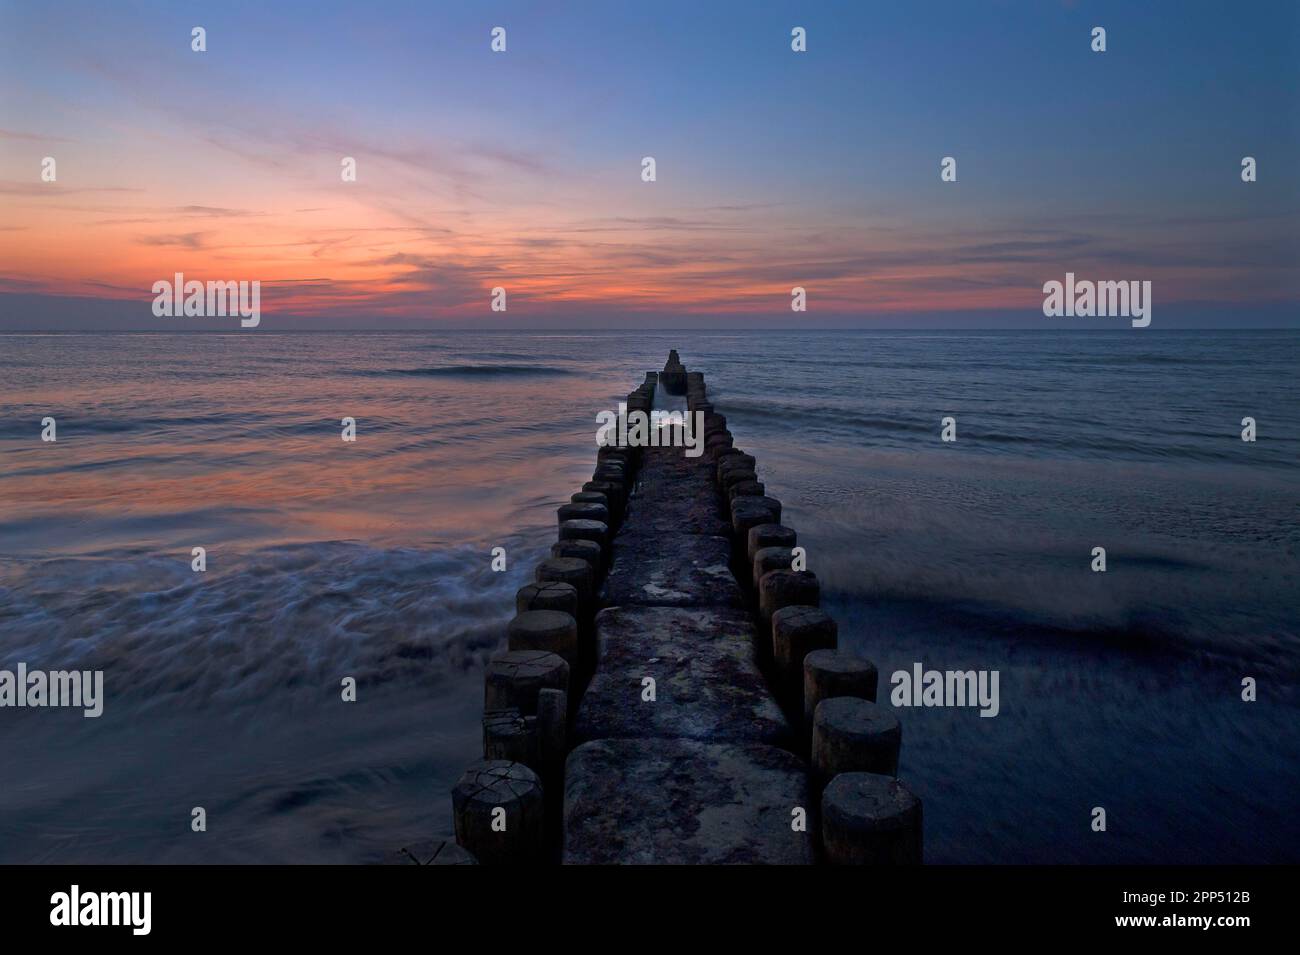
x: 663, y: 330
x: 121, y: 315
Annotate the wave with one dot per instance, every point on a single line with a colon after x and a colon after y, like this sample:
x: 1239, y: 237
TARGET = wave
x: 496, y: 356
x: 1160, y: 602
x: 476, y: 371
x: 1062, y: 434
x: 285, y: 620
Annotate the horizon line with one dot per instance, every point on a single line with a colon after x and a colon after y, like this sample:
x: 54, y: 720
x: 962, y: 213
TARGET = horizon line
x: 1059, y: 328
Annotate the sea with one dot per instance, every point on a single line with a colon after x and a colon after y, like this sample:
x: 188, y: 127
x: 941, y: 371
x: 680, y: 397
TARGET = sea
x: 372, y: 560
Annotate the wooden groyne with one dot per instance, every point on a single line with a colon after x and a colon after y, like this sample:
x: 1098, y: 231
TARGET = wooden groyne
x: 672, y: 691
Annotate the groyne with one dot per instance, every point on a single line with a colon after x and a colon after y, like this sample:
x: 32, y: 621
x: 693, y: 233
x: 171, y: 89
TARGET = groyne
x: 672, y: 691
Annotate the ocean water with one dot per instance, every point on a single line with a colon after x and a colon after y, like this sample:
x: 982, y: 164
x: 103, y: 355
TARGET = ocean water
x: 371, y: 560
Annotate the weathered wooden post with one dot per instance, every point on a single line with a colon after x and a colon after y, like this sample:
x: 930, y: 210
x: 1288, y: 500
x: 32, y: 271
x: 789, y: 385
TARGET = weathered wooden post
x: 797, y: 631
x: 548, y: 630
x: 499, y: 813
x: 831, y: 673
x: 869, y: 819
x: 768, y: 535
x: 852, y: 735
x: 514, y: 679
x: 551, y: 595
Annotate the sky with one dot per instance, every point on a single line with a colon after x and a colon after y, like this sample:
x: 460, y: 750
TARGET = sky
x: 522, y: 169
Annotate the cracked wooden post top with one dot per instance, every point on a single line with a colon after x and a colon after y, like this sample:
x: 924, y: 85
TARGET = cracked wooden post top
x: 831, y: 673
x: 852, y: 735
x: 499, y: 813
x: 551, y: 595
x: 870, y: 819
x: 548, y: 630
x: 515, y: 678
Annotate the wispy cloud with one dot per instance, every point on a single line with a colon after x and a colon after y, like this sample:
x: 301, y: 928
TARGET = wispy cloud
x: 54, y: 190
x: 33, y: 137
x: 186, y: 240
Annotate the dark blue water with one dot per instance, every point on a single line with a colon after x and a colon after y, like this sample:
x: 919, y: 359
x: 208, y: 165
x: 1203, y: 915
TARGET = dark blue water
x: 371, y: 560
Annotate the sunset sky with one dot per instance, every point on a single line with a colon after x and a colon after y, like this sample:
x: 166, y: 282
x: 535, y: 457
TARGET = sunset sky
x: 522, y: 169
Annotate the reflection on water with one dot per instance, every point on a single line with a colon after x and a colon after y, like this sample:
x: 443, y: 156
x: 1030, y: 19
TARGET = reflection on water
x: 370, y: 560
